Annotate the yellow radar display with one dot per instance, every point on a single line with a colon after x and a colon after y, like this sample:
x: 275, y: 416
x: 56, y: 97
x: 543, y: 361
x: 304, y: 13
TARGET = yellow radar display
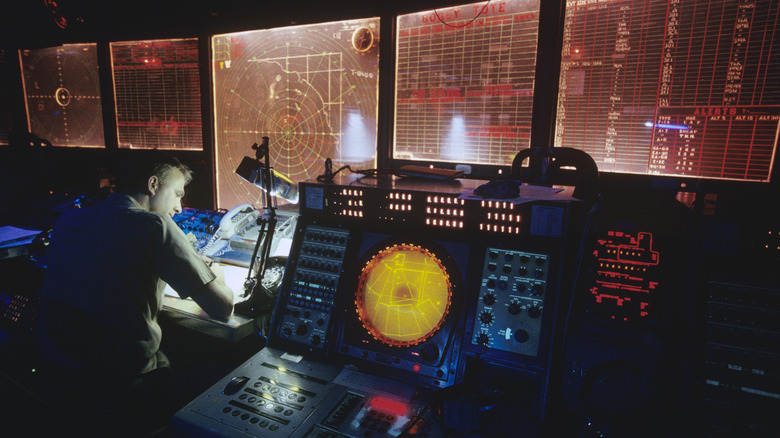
x: 403, y: 295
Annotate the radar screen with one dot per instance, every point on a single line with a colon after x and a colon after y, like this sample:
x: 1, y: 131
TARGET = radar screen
x: 311, y: 89
x: 465, y: 82
x: 403, y: 295
x: 157, y: 94
x: 62, y: 94
x: 402, y: 306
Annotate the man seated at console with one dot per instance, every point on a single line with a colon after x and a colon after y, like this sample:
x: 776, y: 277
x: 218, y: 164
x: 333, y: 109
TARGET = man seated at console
x: 108, y: 265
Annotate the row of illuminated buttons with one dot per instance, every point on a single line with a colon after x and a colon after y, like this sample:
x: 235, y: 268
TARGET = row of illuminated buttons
x: 317, y: 278
x: 273, y: 390
x: 321, y: 306
x: 262, y: 403
x: 318, y: 295
x: 271, y: 399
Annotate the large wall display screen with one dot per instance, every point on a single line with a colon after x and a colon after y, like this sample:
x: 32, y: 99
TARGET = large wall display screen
x: 62, y: 94
x: 157, y: 94
x: 465, y: 82
x: 311, y: 89
x: 684, y: 88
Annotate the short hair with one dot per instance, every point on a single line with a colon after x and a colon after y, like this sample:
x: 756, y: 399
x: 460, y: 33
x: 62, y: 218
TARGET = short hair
x: 135, y: 170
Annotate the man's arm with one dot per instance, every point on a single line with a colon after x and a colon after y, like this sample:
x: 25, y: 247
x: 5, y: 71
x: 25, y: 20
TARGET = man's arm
x: 215, y: 297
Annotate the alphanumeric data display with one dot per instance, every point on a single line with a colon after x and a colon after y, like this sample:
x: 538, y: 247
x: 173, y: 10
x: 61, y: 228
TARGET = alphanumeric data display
x: 465, y: 82
x: 157, y: 94
x: 672, y: 87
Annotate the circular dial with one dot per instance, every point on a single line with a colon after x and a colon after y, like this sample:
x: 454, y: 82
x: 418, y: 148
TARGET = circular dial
x: 404, y: 294
x: 362, y: 39
x: 482, y: 339
x: 274, y: 273
x: 486, y: 318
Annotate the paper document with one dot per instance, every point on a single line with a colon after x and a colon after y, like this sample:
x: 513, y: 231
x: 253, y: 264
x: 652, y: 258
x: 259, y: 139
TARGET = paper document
x: 234, y: 277
x: 10, y: 235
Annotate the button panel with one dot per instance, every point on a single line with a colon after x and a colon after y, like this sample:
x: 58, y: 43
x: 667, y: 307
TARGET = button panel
x: 511, y: 301
x: 306, y: 314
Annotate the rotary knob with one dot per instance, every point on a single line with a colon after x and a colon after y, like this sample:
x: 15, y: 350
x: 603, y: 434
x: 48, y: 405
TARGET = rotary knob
x: 489, y: 299
x: 524, y: 259
x: 514, y: 308
x: 483, y: 339
x: 486, y: 318
x: 302, y: 330
x: 521, y: 336
x: 534, y: 312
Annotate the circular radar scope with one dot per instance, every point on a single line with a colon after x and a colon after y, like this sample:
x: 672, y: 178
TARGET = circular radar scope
x: 403, y: 295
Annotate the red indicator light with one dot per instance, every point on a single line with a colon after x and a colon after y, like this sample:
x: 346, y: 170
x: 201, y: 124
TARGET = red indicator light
x: 389, y: 406
x: 416, y: 367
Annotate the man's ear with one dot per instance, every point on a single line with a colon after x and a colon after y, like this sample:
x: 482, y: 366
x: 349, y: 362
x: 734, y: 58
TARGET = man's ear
x: 153, y: 184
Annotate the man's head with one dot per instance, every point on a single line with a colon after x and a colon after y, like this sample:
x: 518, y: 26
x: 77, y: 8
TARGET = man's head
x: 156, y: 180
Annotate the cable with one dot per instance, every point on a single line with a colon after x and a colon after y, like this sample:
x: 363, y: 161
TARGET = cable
x: 328, y: 177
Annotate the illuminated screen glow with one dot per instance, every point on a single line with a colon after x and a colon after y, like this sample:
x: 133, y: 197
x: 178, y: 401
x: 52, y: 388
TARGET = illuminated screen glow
x: 465, y: 82
x: 62, y: 95
x: 157, y: 94
x: 389, y: 406
x: 313, y: 90
x: 404, y: 294
x: 672, y: 87
x: 626, y: 281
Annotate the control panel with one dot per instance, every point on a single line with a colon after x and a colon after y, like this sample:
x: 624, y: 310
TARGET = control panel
x: 274, y: 394
x: 390, y: 295
x: 511, y: 301
x: 307, y: 313
x: 198, y: 225
x: 266, y: 396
